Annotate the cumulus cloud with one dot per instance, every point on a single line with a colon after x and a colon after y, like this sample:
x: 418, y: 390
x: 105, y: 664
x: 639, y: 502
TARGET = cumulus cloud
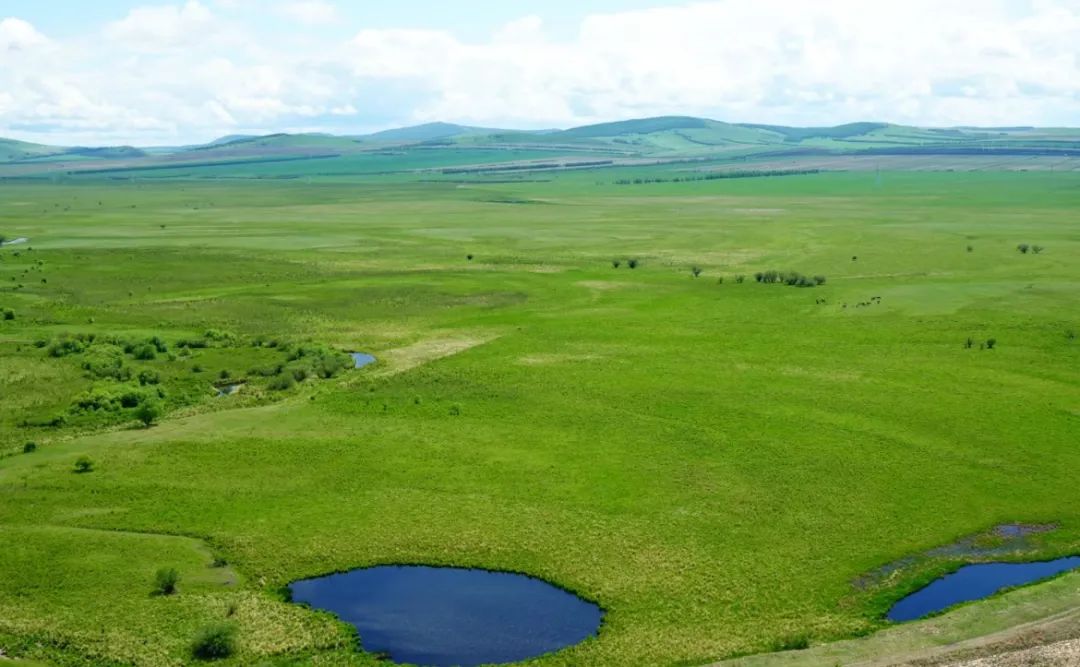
x: 162, y: 27
x: 966, y: 61
x: 18, y: 35
x: 194, y: 69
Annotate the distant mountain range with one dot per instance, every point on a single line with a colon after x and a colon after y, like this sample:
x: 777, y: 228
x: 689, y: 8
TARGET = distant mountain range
x: 660, y: 138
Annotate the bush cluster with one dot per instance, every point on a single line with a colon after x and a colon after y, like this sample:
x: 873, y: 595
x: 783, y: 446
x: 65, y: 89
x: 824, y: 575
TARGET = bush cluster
x: 303, y: 362
x: 793, y: 278
x: 215, y: 642
x: 113, y: 399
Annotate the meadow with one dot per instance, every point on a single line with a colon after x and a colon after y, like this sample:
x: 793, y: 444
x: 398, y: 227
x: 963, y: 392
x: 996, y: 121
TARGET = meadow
x: 716, y: 461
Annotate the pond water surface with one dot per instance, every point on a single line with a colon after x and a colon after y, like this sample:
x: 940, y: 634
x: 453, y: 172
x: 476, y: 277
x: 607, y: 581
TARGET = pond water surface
x: 974, y: 582
x: 361, y: 359
x: 439, y: 616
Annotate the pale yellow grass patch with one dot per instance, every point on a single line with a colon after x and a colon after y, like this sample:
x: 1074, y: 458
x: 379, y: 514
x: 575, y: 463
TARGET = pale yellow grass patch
x: 401, y: 359
x: 545, y: 359
x: 602, y: 285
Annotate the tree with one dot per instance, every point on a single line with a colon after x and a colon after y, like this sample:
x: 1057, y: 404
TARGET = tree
x: 1037, y: 249
x: 1023, y: 248
x: 615, y: 263
x: 990, y: 343
x: 83, y: 464
x: 148, y: 412
x: 633, y: 263
x: 696, y: 271
x: 165, y: 581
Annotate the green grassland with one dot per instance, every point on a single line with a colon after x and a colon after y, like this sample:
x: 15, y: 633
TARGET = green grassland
x: 715, y: 463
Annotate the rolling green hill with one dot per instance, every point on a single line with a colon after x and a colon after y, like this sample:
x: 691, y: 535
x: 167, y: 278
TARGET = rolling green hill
x: 12, y: 150
x: 666, y: 139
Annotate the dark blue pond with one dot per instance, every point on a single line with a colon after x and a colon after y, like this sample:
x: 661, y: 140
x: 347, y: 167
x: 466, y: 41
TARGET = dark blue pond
x: 361, y: 359
x: 974, y: 582
x: 449, y: 616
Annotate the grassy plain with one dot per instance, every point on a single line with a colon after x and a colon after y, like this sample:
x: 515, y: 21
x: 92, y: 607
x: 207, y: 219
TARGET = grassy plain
x: 714, y: 463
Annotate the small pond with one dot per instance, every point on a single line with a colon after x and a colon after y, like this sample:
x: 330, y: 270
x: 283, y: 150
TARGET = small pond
x: 440, y: 616
x: 974, y: 582
x: 361, y: 359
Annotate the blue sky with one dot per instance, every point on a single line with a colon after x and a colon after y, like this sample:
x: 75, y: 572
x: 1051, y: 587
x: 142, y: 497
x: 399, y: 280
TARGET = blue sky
x: 470, y: 19
x: 184, y: 71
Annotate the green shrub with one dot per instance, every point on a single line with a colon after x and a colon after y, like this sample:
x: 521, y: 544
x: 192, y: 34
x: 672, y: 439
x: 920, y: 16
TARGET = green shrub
x: 317, y: 360
x: 131, y: 398
x: 9, y: 314
x: 1023, y: 248
x: 615, y: 263
x: 219, y: 336
x: 149, y: 412
x: 65, y: 346
x: 215, y: 642
x: 633, y: 263
x: 695, y: 271
x: 29, y: 448
x: 282, y: 382
x: 165, y: 581
x: 990, y: 343
x: 83, y: 464
x: 106, y: 361
x: 144, y: 352
x: 96, y: 400
x: 149, y: 377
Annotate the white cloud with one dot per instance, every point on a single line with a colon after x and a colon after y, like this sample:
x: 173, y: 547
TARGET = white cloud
x: 309, y: 12
x: 770, y: 60
x: 18, y: 35
x: 155, y: 28
x: 192, y: 70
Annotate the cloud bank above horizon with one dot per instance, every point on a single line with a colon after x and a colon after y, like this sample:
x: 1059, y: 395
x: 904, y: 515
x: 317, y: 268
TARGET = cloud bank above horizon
x: 193, y: 70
